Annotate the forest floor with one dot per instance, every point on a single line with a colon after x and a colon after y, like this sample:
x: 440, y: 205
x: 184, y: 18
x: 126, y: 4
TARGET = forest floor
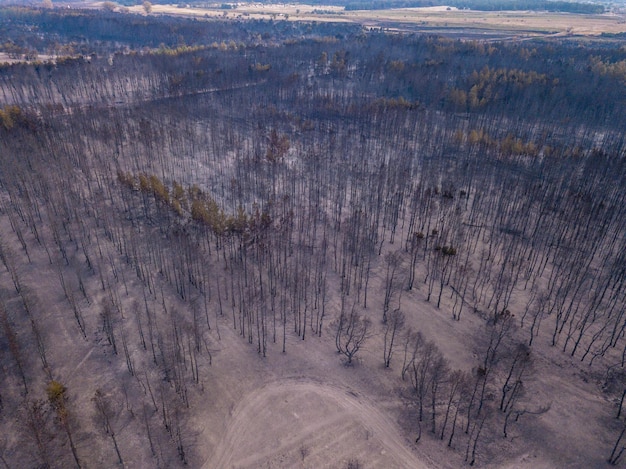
x: 307, y: 409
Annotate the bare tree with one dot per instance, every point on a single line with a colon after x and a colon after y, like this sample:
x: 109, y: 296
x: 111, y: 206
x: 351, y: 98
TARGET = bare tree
x: 393, y: 261
x: 414, y: 249
x: 353, y: 464
x: 4, y: 461
x: 428, y: 371
x: 394, y: 324
x: 616, y: 453
x: 14, y: 345
x: 518, y: 413
x: 58, y: 400
x: 37, y: 427
x: 412, y: 343
x: 108, y: 322
x: 514, y: 380
x: 472, y: 441
x: 352, y: 331
x: 105, y: 414
x: 456, y: 388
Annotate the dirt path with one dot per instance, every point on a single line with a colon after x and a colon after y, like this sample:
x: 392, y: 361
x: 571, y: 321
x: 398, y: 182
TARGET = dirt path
x: 302, y: 423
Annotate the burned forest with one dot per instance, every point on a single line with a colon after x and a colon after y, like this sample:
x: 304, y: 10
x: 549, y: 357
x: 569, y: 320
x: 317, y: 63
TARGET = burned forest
x: 262, y: 243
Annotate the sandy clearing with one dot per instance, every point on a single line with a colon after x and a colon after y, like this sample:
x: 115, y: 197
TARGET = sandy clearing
x: 330, y: 419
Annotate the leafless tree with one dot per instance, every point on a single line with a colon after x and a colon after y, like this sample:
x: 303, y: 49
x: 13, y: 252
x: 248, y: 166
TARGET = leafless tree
x: 37, y: 426
x: 105, y: 414
x: 57, y: 398
x: 392, y: 261
x: 514, y: 380
x: 413, y: 341
x: 14, y: 345
x: 352, y: 331
x: 617, y: 451
x: 395, y: 323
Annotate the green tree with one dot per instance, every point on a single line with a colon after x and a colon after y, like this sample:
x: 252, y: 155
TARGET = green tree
x: 57, y: 397
x: 109, y: 6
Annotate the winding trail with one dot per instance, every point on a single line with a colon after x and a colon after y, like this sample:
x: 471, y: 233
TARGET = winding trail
x: 273, y: 425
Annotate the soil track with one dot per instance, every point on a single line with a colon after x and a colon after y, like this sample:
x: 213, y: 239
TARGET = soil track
x: 328, y: 419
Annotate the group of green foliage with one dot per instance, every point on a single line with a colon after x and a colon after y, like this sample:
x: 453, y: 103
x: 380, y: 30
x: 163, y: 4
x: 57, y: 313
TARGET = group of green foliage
x: 194, y: 204
x: 13, y: 116
x: 177, y: 50
x: 277, y: 148
x: 491, y: 84
x: 9, y: 115
x: 56, y: 394
x: 399, y: 103
x: 606, y: 68
x: 507, y: 146
x: 446, y: 250
x: 512, y: 146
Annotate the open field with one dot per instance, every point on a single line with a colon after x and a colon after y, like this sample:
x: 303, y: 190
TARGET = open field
x: 519, y: 23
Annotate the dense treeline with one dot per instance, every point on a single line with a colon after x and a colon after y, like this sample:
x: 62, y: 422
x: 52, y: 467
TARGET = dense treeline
x: 87, y: 32
x: 289, y: 188
x: 583, y: 84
